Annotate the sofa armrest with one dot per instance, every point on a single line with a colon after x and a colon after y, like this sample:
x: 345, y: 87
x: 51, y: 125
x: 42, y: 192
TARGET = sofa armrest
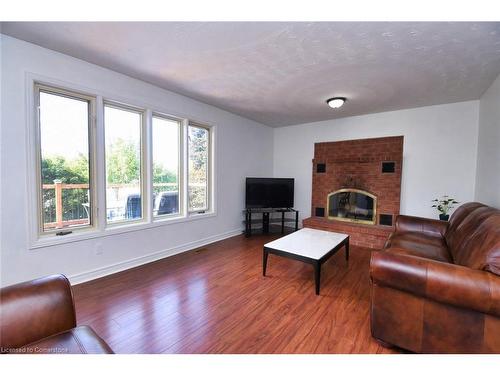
x: 431, y: 227
x: 36, y: 309
x: 442, y: 282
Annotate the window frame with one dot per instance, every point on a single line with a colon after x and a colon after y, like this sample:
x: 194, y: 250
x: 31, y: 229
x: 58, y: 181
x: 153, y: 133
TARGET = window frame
x: 180, y: 174
x: 100, y: 229
x: 143, y: 163
x: 38, y: 88
x: 209, y: 193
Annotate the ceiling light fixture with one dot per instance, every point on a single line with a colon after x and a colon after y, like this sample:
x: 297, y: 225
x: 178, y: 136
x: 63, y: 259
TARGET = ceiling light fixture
x: 336, y: 102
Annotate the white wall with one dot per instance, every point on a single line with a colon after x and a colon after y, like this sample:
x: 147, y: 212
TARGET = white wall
x: 244, y: 148
x: 488, y: 158
x: 440, y: 146
x: 440, y: 154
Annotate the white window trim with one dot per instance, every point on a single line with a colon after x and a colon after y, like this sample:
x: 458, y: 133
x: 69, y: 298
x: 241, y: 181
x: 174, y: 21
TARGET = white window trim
x: 100, y: 228
x: 180, y: 177
x: 210, y: 177
x: 37, y: 182
x: 144, y: 164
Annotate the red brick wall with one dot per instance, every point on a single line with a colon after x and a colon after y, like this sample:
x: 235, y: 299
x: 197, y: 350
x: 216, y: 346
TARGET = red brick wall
x: 372, y: 236
x: 358, y: 164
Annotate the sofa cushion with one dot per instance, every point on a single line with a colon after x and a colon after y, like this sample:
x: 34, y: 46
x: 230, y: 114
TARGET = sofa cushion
x: 79, y: 340
x: 459, y: 242
x: 421, y: 250
x: 481, y: 250
x: 415, y: 224
x: 415, y: 237
x: 419, y: 244
x: 457, y: 218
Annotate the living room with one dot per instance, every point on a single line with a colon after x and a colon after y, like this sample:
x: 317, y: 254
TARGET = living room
x: 250, y: 187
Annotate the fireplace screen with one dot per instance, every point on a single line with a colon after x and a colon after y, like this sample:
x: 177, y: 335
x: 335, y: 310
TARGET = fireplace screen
x: 352, y: 205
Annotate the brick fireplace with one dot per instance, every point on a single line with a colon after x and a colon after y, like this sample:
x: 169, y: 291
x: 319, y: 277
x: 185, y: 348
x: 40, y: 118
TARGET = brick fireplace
x: 356, y: 188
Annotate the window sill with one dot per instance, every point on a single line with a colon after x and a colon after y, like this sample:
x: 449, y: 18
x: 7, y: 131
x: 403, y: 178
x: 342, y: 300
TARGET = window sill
x: 88, y: 234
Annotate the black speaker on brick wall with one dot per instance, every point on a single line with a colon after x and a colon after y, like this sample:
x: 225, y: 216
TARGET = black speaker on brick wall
x: 320, y: 212
x: 388, y: 167
x: 320, y: 168
x: 385, y: 219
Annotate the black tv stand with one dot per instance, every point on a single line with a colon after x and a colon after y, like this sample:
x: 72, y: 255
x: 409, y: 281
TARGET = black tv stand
x: 267, y: 219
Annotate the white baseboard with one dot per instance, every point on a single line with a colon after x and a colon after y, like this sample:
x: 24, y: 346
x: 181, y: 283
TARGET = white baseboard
x: 131, y: 263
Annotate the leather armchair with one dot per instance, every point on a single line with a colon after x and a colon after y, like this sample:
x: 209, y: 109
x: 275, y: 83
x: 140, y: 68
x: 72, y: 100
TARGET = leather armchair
x: 435, y: 286
x: 38, y: 317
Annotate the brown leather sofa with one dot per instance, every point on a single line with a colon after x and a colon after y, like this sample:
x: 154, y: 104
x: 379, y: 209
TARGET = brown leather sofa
x: 436, y: 285
x: 38, y: 317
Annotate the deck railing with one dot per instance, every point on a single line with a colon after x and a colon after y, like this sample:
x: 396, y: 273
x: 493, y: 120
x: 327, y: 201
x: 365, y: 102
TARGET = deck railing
x: 78, y: 214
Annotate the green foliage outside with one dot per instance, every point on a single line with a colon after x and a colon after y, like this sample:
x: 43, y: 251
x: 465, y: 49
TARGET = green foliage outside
x: 198, y: 154
x: 198, y: 146
x: 122, y: 167
x: 74, y: 171
x: 163, y: 175
x: 123, y: 163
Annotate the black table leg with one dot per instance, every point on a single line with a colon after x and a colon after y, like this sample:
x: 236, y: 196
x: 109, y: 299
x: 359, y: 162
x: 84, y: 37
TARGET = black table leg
x: 317, y: 276
x: 296, y: 220
x: 265, y: 222
x: 282, y: 222
x: 265, y: 254
x: 247, y: 229
x: 347, y: 249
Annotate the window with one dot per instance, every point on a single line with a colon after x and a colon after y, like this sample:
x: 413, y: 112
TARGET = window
x: 65, y: 183
x: 166, y: 187
x: 122, y: 168
x: 198, y: 168
x: 123, y: 139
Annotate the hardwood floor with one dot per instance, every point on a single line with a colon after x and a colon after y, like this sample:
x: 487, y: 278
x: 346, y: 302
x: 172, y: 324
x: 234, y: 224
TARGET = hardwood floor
x: 215, y: 300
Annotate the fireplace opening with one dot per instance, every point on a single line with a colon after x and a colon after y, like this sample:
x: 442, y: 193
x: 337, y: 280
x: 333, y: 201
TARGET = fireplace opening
x: 352, y: 205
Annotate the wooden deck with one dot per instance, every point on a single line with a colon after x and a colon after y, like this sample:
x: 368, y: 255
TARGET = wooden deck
x: 215, y: 300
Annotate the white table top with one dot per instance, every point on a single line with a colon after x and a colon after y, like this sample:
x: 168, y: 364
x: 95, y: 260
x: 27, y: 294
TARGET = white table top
x: 307, y: 242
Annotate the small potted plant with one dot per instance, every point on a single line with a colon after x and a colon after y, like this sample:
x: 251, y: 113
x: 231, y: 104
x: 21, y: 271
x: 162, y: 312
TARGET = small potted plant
x: 444, y: 205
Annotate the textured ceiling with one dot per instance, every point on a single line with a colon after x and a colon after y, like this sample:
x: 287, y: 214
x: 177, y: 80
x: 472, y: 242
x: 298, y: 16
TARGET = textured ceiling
x: 281, y: 73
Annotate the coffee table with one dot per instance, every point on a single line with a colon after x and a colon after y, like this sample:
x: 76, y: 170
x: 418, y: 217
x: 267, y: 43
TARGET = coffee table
x: 308, y: 245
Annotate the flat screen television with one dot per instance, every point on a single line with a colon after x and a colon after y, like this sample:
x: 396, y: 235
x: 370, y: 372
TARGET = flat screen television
x: 269, y: 192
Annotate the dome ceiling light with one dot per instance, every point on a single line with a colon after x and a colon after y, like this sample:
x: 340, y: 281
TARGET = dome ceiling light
x: 336, y: 102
